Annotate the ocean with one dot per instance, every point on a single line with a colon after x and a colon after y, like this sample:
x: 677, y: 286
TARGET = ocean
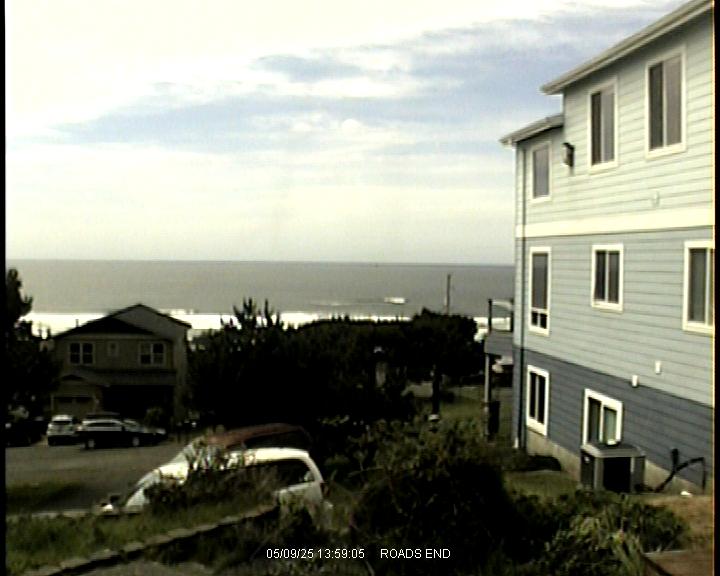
x: 70, y: 292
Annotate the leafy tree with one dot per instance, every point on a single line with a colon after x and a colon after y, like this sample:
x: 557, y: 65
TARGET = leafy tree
x: 16, y: 306
x: 30, y: 372
x: 230, y: 367
x: 254, y: 369
x: 440, y: 344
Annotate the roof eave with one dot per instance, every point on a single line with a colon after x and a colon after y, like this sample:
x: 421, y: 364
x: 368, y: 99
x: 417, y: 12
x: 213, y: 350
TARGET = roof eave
x: 534, y: 129
x: 667, y: 24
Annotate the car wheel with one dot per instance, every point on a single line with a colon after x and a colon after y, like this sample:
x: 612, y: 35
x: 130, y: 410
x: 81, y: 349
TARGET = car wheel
x: 90, y: 443
x: 51, y: 442
x: 135, y: 442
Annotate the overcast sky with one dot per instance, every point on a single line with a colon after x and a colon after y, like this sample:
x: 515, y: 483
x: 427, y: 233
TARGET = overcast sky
x: 281, y: 130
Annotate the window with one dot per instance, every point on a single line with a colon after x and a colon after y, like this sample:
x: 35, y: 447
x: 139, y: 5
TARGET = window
x: 541, y: 172
x: 82, y: 353
x: 538, y: 395
x: 285, y: 472
x: 665, y: 103
x: 540, y: 289
x: 699, y: 306
x: 602, y: 125
x: 602, y: 418
x: 607, y: 276
x: 152, y: 353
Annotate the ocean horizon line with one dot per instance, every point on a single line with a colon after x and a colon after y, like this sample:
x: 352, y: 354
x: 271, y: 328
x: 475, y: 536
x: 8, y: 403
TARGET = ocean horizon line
x: 249, y: 261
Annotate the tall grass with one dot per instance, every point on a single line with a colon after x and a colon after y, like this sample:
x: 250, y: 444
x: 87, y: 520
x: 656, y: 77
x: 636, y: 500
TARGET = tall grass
x: 34, y: 542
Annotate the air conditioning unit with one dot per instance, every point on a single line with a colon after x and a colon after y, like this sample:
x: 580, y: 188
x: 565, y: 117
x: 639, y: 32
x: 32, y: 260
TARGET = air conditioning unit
x: 617, y: 467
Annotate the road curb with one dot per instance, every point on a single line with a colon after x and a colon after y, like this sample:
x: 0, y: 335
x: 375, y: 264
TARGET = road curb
x: 132, y: 550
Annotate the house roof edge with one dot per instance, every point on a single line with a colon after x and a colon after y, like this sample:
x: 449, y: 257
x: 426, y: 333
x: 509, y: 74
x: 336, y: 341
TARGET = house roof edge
x: 665, y: 25
x: 533, y: 129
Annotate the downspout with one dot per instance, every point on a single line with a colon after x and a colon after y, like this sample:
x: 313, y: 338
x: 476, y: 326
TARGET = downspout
x: 520, y: 438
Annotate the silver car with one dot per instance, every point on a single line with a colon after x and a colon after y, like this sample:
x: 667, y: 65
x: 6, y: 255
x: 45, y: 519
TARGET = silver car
x: 62, y: 429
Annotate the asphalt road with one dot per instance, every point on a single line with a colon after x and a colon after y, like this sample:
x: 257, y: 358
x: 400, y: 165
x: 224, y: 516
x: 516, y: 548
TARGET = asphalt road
x: 96, y: 473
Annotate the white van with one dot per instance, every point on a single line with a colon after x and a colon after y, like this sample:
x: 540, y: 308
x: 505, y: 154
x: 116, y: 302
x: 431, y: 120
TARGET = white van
x: 300, y: 477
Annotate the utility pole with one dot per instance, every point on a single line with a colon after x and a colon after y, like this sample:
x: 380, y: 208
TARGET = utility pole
x: 447, y: 295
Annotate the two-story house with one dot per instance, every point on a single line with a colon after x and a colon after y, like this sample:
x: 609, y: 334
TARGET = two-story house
x: 128, y: 361
x: 615, y: 254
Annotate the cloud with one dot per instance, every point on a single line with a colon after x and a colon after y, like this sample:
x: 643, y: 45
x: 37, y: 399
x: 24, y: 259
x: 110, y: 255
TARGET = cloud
x: 450, y: 78
x: 382, y: 150
x: 309, y: 69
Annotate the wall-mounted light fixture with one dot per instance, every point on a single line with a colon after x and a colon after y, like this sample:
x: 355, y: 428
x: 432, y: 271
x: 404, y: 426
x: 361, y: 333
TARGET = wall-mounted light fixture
x: 569, y: 157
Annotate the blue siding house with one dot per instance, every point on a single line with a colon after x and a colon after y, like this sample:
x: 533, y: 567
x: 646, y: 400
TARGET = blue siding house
x: 615, y: 254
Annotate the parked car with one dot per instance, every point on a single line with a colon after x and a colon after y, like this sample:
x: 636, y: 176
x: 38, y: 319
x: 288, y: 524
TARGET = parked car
x: 62, y: 428
x: 116, y: 432
x: 299, y: 477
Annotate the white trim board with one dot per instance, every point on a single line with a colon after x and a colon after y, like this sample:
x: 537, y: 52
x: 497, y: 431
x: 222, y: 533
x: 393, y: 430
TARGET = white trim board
x: 613, y: 224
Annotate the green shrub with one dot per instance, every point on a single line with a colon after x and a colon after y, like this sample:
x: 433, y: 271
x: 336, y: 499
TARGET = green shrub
x: 592, y: 533
x: 432, y: 488
x: 657, y: 528
x: 592, y: 546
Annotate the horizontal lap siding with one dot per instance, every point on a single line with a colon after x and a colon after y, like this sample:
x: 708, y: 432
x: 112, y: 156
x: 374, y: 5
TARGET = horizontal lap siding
x: 652, y: 420
x: 601, y: 349
x: 680, y: 180
x: 648, y: 329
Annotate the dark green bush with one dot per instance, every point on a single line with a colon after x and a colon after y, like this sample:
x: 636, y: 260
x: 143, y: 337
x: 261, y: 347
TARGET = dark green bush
x: 657, y: 528
x: 592, y: 533
x: 432, y: 488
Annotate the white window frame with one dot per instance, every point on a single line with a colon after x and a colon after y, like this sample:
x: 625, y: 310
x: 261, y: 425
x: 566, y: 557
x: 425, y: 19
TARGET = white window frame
x: 531, y: 327
x: 600, y: 166
x: 531, y: 422
x: 605, y: 304
x: 699, y: 327
x: 605, y: 401
x: 152, y: 362
x: 682, y: 145
x: 81, y: 361
x: 531, y: 188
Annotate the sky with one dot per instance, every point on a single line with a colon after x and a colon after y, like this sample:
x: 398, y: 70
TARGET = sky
x: 282, y: 130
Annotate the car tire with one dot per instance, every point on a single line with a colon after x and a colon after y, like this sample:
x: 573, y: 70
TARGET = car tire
x: 51, y: 442
x: 135, y: 442
x: 90, y: 443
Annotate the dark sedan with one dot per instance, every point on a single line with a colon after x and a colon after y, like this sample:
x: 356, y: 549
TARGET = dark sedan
x: 117, y: 432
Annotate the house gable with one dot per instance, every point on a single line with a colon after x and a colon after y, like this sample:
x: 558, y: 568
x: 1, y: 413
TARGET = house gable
x: 106, y: 325
x: 153, y: 321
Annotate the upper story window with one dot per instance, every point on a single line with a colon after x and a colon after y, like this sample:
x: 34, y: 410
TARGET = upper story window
x: 540, y: 290
x: 538, y: 395
x: 665, y: 103
x: 152, y: 353
x: 699, y: 306
x: 607, y: 276
x: 602, y: 125
x: 541, y: 171
x: 82, y: 353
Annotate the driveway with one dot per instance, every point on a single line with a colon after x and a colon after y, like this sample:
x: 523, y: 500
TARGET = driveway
x: 96, y: 473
